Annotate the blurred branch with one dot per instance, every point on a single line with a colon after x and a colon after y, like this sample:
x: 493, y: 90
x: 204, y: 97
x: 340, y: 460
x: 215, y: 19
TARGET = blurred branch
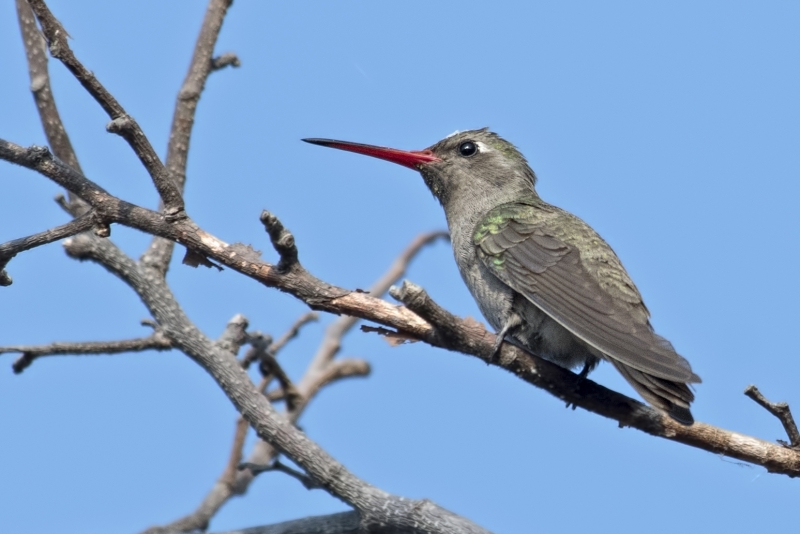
x: 294, y: 330
x: 322, y: 370
x: 160, y: 251
x: 341, y: 523
x: 228, y: 59
x: 276, y: 465
x: 375, y: 506
x: 262, y: 344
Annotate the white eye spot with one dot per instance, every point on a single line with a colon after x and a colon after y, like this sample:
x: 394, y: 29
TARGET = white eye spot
x: 483, y: 147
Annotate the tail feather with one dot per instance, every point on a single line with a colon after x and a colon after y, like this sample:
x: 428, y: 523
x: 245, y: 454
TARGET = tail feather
x: 673, y: 398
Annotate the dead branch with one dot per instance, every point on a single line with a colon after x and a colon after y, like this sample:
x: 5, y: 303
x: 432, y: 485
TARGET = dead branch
x: 228, y: 59
x: 276, y: 465
x: 781, y: 411
x: 322, y: 370
x: 377, y: 510
x: 156, y: 341
x: 469, y: 338
x: 294, y: 330
x: 12, y: 248
x: 36, y: 52
x: 159, y: 252
x: 121, y: 122
x: 341, y: 523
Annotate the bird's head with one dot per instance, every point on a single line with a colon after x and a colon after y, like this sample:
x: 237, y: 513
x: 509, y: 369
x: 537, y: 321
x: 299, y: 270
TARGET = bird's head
x: 472, y: 163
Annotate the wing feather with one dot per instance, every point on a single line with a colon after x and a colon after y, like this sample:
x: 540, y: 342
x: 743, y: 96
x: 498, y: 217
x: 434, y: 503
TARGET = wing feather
x: 525, y: 253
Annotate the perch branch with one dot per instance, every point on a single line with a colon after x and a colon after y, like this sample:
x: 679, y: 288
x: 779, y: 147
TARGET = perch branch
x: 462, y: 336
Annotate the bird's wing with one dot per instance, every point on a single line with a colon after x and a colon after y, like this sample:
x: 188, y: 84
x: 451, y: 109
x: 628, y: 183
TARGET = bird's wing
x: 534, y: 250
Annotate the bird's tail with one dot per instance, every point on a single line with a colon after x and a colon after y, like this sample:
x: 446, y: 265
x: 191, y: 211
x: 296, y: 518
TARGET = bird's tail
x: 673, y: 398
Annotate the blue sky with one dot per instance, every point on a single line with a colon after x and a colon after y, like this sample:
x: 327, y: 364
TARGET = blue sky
x: 670, y: 127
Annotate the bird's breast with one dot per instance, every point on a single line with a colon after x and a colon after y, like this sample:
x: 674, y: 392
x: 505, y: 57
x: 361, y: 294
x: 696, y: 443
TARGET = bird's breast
x: 494, y: 298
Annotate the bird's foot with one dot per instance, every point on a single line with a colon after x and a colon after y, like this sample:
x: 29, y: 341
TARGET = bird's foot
x: 495, y: 356
x: 512, y: 323
x: 587, y: 367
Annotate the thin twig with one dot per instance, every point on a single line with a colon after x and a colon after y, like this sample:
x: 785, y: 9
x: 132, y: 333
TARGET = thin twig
x: 235, y: 458
x: 332, y: 342
x: 121, y: 122
x: 228, y: 59
x: 156, y: 341
x: 276, y: 465
x: 269, y: 366
x: 160, y: 251
x: 781, y: 411
x: 333, y: 372
x: 11, y: 248
x: 261, y: 343
x: 322, y: 370
x: 260, y: 350
x: 294, y: 330
x: 53, y: 126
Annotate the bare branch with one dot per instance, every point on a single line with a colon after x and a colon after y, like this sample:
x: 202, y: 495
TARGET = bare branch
x: 228, y: 59
x: 121, y: 122
x: 341, y: 523
x: 261, y: 351
x: 308, y: 317
x: 376, y: 506
x: 229, y: 475
x: 12, y: 248
x: 781, y: 411
x: 270, y: 367
x: 235, y: 334
x: 468, y: 337
x: 332, y: 342
x: 336, y: 370
x: 156, y: 341
x: 276, y: 465
x: 322, y: 370
x: 53, y: 126
x: 259, y: 344
x: 222, y: 490
x: 159, y: 252
x: 282, y: 239
x: 35, y: 51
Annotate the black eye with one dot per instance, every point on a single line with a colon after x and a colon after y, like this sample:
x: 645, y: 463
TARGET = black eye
x: 467, y: 149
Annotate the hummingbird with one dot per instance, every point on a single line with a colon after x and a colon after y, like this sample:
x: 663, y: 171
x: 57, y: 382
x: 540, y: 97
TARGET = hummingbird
x: 542, y: 277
